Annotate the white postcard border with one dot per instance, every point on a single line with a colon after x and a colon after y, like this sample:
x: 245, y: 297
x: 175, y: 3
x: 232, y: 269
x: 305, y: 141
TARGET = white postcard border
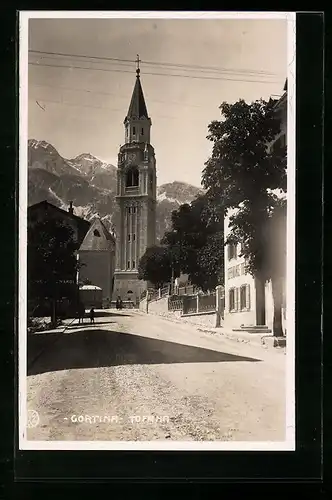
x: 24, y: 444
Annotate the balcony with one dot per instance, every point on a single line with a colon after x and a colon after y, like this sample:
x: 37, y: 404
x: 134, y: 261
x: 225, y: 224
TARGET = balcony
x: 132, y: 190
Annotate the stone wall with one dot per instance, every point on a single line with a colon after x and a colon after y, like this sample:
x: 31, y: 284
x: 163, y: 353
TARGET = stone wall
x: 160, y: 308
x: 207, y: 320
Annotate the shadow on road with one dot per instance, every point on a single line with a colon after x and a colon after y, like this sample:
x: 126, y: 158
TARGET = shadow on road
x: 93, y: 348
x: 87, y: 324
x: 104, y: 314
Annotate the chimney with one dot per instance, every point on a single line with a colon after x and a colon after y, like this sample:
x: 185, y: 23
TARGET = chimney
x: 70, y: 209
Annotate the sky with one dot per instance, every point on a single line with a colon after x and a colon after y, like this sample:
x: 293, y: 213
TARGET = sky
x: 82, y: 110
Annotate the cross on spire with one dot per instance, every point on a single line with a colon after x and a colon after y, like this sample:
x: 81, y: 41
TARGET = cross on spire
x: 137, y: 62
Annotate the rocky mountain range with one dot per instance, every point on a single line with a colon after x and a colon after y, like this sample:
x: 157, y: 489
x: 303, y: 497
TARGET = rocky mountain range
x: 91, y: 185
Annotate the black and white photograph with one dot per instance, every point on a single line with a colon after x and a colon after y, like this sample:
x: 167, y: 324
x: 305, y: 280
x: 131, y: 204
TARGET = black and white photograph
x: 157, y: 230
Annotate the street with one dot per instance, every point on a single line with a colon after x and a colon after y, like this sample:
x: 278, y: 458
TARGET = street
x: 134, y: 377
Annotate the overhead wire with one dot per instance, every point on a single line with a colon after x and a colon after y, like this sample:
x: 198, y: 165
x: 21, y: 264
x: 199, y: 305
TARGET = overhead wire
x: 157, y: 63
x: 149, y: 73
x: 75, y: 89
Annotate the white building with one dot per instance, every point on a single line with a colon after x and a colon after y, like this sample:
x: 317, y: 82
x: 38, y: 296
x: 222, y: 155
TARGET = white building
x: 249, y: 303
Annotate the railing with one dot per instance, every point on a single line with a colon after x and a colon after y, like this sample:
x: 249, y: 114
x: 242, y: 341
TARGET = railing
x: 164, y: 292
x: 187, y: 290
x: 189, y: 304
x: 153, y: 295
x: 207, y: 303
x: 175, y: 303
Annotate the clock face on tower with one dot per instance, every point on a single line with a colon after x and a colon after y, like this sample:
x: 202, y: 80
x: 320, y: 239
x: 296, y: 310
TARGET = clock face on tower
x: 132, y: 157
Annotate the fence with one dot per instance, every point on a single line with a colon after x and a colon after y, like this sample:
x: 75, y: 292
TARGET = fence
x: 198, y: 303
x: 186, y: 290
x: 188, y: 301
x: 207, y: 302
x: 175, y: 303
x: 190, y: 304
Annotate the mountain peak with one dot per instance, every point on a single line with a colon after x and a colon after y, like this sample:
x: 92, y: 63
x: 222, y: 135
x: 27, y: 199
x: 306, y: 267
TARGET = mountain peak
x: 35, y: 144
x: 91, y: 184
x: 86, y: 156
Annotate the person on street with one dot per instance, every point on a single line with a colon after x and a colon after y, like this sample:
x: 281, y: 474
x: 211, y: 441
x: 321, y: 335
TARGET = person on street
x: 81, y: 312
x: 92, y: 315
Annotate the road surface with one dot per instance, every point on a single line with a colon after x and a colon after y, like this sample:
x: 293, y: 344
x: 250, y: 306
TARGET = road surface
x: 138, y: 377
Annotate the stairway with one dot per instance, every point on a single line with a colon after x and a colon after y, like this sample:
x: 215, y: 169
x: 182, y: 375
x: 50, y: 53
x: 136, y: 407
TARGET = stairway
x: 262, y: 329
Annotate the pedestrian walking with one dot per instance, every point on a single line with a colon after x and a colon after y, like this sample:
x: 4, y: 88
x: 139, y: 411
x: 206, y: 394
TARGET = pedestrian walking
x: 81, y: 312
x: 92, y: 315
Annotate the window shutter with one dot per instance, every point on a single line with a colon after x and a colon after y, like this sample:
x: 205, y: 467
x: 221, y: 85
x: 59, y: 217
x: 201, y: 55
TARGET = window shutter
x: 237, y: 298
x: 231, y: 299
x: 248, y: 296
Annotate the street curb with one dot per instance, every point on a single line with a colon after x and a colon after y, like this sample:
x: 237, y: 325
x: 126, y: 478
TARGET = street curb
x: 255, y: 339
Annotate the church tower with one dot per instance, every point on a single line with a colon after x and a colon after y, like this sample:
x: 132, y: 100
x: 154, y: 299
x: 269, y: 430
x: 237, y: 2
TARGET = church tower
x: 136, y: 196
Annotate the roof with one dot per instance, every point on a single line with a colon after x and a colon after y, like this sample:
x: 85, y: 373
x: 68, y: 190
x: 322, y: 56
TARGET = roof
x: 46, y: 204
x: 45, y: 207
x: 98, y: 238
x: 282, y: 102
x: 137, y: 107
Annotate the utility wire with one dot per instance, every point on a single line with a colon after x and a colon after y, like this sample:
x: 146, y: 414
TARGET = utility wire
x: 112, y: 94
x: 147, y: 73
x: 127, y: 65
x: 155, y: 63
x: 103, y: 108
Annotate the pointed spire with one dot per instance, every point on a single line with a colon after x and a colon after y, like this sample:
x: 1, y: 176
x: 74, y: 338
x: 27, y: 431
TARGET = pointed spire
x: 137, y: 108
x: 137, y: 69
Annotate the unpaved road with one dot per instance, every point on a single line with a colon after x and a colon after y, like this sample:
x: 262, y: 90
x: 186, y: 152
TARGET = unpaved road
x: 137, y: 377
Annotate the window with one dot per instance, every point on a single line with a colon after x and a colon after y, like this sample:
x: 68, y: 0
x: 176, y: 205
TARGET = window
x: 231, y: 251
x: 232, y: 299
x: 134, y: 130
x: 142, y: 131
x: 245, y: 297
x: 129, y: 210
x: 96, y: 233
x: 134, y: 264
x: 128, y: 264
x: 128, y: 237
x: 132, y: 177
x: 134, y: 210
x: 134, y: 237
x: 243, y: 303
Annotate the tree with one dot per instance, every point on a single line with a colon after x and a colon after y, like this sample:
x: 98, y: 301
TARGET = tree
x: 196, y: 242
x: 52, y: 262
x: 155, y: 265
x: 244, y: 174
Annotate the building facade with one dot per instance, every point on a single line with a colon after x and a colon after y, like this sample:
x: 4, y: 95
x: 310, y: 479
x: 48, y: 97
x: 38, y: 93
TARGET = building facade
x: 240, y: 303
x: 136, y: 197
x: 45, y: 211
x: 97, y: 259
x: 247, y: 304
